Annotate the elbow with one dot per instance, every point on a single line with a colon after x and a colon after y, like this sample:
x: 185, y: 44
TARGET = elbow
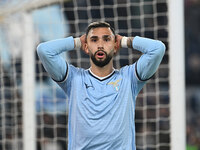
x: 161, y: 48
x: 41, y: 50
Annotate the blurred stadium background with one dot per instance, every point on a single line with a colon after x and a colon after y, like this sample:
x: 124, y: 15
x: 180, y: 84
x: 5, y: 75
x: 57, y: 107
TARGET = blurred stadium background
x: 37, y: 118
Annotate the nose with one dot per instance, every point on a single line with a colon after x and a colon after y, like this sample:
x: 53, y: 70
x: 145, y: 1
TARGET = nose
x: 100, y: 45
x: 100, y: 48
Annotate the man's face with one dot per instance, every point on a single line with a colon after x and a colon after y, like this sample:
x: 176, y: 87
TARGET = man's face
x: 100, y: 45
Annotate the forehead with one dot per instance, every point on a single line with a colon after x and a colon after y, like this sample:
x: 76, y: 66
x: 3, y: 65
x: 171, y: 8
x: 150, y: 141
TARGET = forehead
x: 100, y: 31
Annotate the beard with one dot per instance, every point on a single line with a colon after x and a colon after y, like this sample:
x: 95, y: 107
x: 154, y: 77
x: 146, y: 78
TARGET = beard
x: 101, y: 63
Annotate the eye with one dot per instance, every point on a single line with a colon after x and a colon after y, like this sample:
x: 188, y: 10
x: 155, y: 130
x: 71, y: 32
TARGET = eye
x: 107, y: 39
x: 93, y: 40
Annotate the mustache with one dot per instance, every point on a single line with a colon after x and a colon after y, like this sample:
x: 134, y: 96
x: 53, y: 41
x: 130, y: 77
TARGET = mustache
x: 101, y: 51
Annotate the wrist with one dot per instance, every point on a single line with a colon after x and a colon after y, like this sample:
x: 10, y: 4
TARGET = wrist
x: 77, y: 43
x: 126, y: 42
x: 129, y: 42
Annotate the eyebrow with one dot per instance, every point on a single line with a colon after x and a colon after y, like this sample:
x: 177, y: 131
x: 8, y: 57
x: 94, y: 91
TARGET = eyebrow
x: 107, y: 36
x: 93, y: 37
x: 104, y: 36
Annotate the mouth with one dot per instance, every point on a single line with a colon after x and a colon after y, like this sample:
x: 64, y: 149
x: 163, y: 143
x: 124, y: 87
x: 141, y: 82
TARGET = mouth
x: 100, y: 54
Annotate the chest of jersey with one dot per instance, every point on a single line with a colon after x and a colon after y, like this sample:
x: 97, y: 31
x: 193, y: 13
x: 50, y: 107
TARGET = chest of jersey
x: 101, y: 111
x: 96, y: 99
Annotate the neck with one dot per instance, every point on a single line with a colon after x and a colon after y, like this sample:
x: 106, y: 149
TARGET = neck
x: 102, y: 71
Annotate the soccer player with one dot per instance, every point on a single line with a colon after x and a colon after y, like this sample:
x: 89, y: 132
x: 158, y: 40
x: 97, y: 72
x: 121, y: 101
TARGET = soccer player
x: 101, y: 99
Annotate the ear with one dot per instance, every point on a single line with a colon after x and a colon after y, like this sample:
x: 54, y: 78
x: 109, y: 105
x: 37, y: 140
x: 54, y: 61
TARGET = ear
x: 117, y: 44
x: 86, y: 49
x: 115, y: 47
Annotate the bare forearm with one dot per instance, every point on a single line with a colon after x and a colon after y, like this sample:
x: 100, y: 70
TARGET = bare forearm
x: 129, y: 42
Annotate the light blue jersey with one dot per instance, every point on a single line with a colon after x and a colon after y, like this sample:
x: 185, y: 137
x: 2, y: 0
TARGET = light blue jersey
x: 101, y: 111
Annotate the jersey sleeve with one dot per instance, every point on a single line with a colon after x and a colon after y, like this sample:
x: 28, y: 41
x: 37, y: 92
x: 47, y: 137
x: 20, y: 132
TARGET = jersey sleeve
x: 129, y: 72
x: 49, y: 53
x: 66, y: 83
x: 139, y: 72
x: 153, y: 52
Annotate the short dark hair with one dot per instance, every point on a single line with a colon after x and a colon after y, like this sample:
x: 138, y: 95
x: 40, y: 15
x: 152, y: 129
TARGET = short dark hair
x: 97, y: 25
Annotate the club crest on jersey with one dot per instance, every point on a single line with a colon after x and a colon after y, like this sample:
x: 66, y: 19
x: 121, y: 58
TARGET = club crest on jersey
x: 115, y: 84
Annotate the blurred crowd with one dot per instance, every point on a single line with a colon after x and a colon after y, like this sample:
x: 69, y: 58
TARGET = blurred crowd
x: 192, y: 57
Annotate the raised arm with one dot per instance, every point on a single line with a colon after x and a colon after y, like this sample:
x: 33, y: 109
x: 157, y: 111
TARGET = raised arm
x: 49, y: 53
x: 153, y: 52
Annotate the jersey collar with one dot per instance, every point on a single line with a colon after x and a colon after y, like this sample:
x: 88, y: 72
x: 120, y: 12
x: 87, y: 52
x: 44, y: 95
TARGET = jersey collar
x: 101, y: 78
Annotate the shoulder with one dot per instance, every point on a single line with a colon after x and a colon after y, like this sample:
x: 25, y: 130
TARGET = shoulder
x: 130, y: 71
x: 74, y: 75
x: 127, y: 69
x: 76, y: 70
